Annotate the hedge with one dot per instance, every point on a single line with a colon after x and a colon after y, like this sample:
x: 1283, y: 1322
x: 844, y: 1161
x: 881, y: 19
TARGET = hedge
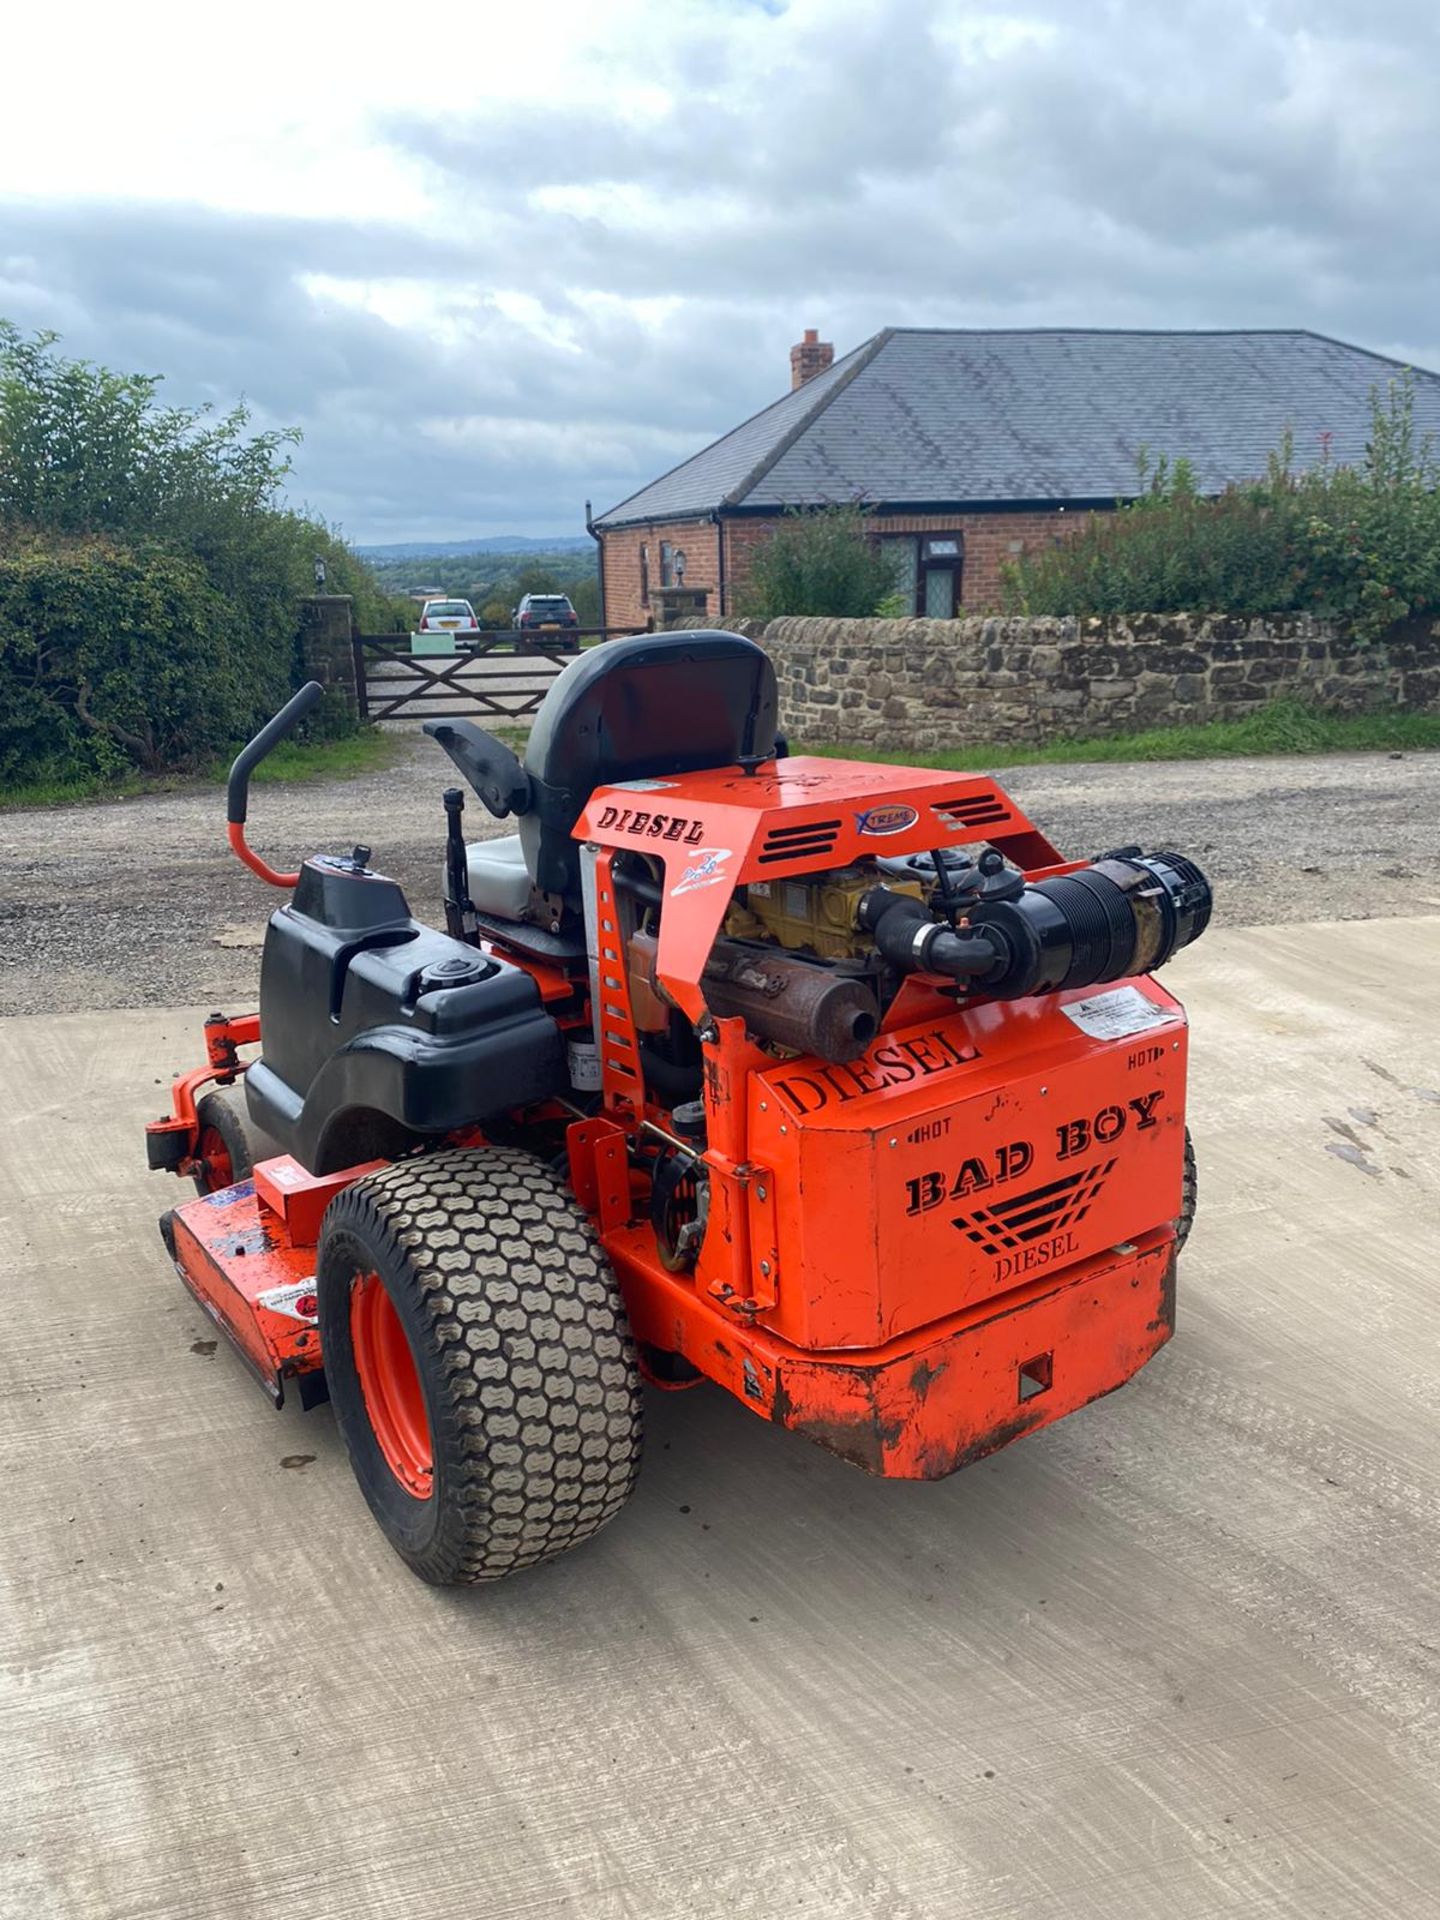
x: 114, y: 658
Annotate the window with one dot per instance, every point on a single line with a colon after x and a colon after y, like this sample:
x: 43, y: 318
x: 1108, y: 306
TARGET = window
x: 667, y: 564
x: 927, y: 569
x: 942, y: 558
x: 902, y: 553
x: 939, y: 593
x: 644, y: 574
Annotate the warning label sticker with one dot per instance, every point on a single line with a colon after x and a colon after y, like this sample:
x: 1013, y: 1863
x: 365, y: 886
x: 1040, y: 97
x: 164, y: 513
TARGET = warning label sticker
x: 1115, y: 1015
x: 296, y: 1302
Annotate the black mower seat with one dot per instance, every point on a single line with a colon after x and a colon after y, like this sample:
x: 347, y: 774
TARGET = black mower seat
x: 639, y: 709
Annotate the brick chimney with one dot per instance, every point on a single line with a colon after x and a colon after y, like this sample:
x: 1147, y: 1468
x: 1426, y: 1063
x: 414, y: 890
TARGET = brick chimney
x: 812, y: 356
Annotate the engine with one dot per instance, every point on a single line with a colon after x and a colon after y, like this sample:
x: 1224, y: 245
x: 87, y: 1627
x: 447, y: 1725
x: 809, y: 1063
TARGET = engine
x: 811, y: 962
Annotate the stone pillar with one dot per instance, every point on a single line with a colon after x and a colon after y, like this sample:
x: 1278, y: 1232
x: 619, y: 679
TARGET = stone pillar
x: 327, y: 626
x: 670, y: 605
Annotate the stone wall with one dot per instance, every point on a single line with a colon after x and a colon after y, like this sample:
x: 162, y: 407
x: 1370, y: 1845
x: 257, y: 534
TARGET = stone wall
x: 924, y: 685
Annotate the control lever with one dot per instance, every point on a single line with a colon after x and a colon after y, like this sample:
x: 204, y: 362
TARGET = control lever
x: 237, y: 793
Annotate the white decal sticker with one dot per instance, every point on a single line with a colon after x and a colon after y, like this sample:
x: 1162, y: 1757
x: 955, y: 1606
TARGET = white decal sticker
x: 295, y: 1302
x: 705, y: 868
x: 642, y: 786
x: 1114, y: 1015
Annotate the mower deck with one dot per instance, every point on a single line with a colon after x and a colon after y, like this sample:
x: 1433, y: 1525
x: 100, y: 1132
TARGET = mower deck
x: 256, y: 1286
x: 247, y: 1253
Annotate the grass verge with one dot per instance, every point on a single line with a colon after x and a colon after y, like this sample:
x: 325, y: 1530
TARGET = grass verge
x: 1282, y: 726
x: 367, y: 752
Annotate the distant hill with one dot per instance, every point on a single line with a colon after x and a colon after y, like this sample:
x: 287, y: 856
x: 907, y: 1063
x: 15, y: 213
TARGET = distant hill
x: 493, y: 543
x: 493, y: 574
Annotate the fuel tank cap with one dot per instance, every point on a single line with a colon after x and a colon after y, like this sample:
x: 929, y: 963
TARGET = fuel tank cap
x: 461, y: 970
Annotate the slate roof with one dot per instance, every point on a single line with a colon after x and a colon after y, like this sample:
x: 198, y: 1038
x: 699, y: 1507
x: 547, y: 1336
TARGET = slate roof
x: 941, y: 417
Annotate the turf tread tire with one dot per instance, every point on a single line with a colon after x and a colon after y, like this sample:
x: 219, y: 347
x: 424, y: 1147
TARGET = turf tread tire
x: 519, y: 1332
x: 1189, y: 1194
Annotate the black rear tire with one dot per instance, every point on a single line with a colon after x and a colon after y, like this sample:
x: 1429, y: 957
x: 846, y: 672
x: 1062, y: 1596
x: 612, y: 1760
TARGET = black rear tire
x: 1188, y: 1195
x: 518, y: 1336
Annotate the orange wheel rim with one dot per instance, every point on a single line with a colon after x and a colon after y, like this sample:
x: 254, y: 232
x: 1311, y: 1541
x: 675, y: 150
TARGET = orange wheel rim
x: 390, y: 1384
x: 214, y: 1156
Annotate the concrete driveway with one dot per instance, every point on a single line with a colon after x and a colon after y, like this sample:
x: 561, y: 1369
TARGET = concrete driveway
x: 1175, y: 1657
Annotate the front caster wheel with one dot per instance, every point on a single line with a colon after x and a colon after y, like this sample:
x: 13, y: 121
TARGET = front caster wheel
x: 229, y: 1145
x: 479, y: 1362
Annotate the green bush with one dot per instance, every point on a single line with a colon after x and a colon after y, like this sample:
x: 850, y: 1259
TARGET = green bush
x: 150, y: 581
x: 111, y: 660
x: 1360, y: 545
x: 820, y: 563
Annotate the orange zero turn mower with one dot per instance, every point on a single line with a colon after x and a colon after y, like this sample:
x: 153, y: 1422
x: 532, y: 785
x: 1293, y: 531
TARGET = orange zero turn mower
x: 833, y: 1084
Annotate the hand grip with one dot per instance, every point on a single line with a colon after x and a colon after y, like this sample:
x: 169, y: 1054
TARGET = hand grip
x: 237, y: 794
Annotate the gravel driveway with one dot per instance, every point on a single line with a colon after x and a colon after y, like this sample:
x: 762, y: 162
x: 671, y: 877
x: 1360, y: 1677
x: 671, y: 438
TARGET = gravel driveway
x: 138, y: 903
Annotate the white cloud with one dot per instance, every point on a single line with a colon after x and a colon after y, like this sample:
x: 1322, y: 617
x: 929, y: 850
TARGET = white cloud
x: 497, y: 259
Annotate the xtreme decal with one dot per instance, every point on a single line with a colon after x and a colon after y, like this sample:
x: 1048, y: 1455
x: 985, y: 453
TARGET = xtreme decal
x: 890, y: 819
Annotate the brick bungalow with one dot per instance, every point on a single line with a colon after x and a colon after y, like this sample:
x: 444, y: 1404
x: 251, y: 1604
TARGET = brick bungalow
x: 968, y: 448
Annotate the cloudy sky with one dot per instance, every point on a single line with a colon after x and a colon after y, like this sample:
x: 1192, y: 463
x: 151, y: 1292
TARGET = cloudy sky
x: 496, y: 259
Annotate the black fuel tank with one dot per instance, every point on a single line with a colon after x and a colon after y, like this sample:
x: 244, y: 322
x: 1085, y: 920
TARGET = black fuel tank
x: 374, y: 1027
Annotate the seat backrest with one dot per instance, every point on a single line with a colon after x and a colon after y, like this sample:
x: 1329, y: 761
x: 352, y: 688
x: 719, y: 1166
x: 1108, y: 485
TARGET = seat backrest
x: 659, y: 704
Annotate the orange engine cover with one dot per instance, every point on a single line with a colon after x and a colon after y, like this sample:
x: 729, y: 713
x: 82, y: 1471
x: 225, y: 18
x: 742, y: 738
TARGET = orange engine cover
x: 968, y: 1156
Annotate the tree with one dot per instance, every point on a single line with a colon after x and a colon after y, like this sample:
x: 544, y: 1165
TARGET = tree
x: 84, y: 450
x: 124, y: 510
x: 822, y: 562
x: 585, y: 598
x: 536, y: 579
